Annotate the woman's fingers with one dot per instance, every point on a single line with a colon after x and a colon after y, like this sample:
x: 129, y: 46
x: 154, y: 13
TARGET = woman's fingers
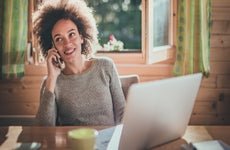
x: 53, y: 54
x: 53, y: 58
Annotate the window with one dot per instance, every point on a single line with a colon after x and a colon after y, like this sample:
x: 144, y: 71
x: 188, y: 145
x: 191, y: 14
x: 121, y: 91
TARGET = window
x: 121, y: 18
x: 161, y: 12
x: 157, y: 28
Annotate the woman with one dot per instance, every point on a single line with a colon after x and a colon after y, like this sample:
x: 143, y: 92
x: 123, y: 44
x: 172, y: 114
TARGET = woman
x: 79, y: 89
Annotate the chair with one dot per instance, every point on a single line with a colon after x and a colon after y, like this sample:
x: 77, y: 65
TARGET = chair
x: 127, y: 81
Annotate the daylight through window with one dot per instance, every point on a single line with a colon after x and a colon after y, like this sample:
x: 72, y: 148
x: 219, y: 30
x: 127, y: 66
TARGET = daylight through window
x: 119, y: 19
x: 161, y: 12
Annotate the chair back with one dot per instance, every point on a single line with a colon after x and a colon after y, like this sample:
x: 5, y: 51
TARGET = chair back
x: 127, y: 81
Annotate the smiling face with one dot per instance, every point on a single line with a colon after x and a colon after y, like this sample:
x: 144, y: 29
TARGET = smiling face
x: 67, y: 39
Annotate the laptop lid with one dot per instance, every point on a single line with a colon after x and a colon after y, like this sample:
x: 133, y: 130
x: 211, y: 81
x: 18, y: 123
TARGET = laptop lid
x: 157, y: 112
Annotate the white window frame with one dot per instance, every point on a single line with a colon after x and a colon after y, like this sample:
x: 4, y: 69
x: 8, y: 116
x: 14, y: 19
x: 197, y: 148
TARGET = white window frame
x: 148, y: 54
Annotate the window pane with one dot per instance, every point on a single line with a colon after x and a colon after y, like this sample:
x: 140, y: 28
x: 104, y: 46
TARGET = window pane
x: 121, y: 18
x: 161, y: 12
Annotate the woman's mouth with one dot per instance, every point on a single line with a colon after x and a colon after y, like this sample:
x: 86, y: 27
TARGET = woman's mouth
x: 69, y: 52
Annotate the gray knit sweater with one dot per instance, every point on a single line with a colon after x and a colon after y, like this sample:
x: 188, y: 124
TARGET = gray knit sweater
x: 94, y: 97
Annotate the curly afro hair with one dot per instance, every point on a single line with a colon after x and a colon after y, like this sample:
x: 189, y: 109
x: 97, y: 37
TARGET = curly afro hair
x: 50, y: 11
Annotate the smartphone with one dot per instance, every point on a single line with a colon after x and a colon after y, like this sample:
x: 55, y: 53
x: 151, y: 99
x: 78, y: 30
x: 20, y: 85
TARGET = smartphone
x: 57, y: 62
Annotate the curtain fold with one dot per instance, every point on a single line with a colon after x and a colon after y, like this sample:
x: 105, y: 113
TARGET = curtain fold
x: 193, y: 37
x: 14, y: 38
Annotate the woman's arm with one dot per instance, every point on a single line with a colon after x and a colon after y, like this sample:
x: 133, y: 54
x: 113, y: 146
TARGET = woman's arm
x: 47, y: 112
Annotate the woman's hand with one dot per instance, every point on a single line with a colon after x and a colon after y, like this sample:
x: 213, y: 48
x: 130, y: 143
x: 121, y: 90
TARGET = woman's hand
x: 53, y: 63
x: 53, y: 68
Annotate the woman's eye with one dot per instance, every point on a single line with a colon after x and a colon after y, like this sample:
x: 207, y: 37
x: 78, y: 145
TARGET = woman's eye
x: 72, y: 34
x: 57, y: 40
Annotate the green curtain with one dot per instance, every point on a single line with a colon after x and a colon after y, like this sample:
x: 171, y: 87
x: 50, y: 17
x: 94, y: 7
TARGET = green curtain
x: 14, y: 37
x: 193, y: 37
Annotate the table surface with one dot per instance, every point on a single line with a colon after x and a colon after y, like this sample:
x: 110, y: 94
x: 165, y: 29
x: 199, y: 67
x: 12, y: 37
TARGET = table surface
x: 56, y: 137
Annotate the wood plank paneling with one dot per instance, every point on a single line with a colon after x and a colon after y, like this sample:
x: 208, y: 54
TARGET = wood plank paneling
x: 220, y: 27
x: 152, y: 78
x: 209, y: 94
x: 146, y: 70
x: 220, y: 3
x: 223, y: 81
x: 35, y: 70
x: 31, y: 83
x: 220, y: 14
x: 209, y: 82
x: 220, y: 54
x: 205, y: 108
x: 18, y: 108
x: 20, y: 96
x: 220, y: 41
x: 220, y: 68
x: 223, y: 106
x: 209, y: 120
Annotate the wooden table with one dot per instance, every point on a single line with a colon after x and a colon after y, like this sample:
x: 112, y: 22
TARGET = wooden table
x: 56, y: 137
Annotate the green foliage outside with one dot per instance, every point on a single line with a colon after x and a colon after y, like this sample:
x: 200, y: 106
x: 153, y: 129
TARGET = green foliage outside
x: 121, y: 18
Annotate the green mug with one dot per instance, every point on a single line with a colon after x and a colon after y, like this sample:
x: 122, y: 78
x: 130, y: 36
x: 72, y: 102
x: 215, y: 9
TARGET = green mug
x: 82, y: 139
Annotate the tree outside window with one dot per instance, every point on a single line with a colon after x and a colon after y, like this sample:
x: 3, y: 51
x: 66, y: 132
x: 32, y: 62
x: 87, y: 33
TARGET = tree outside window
x: 121, y: 18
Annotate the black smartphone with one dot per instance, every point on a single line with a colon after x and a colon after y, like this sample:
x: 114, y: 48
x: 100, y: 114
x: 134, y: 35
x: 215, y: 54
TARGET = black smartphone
x: 59, y: 61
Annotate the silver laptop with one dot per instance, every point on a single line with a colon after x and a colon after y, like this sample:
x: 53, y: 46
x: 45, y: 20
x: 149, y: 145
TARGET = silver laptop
x: 157, y: 112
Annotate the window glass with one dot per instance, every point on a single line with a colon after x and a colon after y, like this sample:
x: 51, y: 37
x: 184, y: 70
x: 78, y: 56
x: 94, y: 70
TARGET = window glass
x: 121, y: 18
x: 161, y: 12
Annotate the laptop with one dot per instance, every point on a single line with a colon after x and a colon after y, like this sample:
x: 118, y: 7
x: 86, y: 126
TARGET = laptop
x: 156, y: 112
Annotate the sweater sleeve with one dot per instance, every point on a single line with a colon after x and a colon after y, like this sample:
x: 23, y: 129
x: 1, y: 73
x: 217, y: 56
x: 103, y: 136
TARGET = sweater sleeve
x: 117, y: 95
x: 46, y: 115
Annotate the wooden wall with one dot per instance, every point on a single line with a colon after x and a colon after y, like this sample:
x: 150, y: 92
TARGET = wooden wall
x: 213, y: 101
x: 21, y: 97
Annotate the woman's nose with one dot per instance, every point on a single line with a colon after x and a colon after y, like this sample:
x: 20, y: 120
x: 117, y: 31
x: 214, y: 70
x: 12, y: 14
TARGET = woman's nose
x: 66, y: 42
